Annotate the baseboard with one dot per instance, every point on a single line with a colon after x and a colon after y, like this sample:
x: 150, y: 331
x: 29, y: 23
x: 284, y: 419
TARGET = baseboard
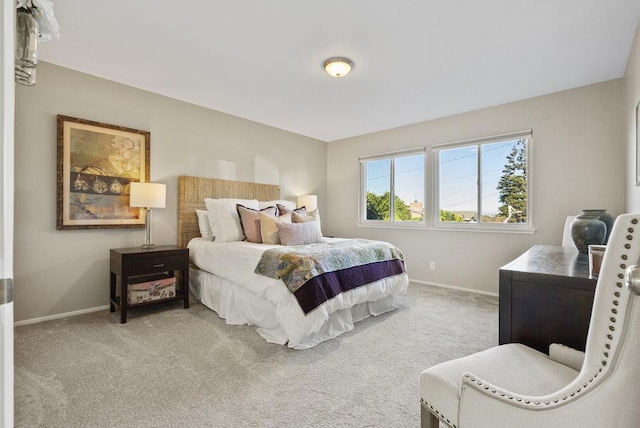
x: 102, y: 308
x: 453, y: 287
x: 57, y: 316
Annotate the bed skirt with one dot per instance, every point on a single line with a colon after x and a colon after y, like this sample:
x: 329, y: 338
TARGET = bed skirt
x: 240, y: 307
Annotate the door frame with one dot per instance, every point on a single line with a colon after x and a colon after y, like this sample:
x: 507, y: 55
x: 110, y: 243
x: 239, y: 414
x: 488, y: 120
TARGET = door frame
x: 7, y: 117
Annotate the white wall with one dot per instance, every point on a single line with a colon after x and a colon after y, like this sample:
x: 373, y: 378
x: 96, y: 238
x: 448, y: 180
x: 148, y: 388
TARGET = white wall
x: 631, y: 99
x: 64, y: 271
x: 577, y: 154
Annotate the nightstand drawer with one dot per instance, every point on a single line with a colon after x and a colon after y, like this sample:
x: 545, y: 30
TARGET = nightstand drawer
x: 148, y: 265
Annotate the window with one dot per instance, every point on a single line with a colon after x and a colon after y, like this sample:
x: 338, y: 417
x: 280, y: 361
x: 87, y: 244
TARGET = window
x: 393, y: 188
x: 484, y: 182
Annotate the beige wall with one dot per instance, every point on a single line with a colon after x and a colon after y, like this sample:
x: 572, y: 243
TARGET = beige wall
x: 631, y: 99
x: 65, y: 271
x: 577, y: 154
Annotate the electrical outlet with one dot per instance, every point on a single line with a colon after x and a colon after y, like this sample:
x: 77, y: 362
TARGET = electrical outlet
x: 432, y: 265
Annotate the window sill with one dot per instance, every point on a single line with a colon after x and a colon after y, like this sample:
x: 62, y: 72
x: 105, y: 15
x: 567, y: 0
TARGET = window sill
x: 451, y: 228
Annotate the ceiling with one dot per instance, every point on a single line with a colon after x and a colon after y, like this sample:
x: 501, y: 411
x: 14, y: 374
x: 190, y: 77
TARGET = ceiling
x: 415, y: 60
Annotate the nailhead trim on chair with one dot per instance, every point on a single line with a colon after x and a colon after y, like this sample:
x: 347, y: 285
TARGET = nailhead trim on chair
x: 438, y: 414
x: 612, y: 328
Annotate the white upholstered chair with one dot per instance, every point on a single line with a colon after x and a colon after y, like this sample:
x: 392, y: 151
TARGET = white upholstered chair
x: 566, y: 232
x: 515, y: 386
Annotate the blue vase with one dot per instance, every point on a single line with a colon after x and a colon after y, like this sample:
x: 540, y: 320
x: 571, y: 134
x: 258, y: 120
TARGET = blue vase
x: 587, y: 229
x: 608, y: 220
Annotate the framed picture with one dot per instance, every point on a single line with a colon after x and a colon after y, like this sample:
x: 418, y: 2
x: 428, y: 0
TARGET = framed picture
x: 638, y: 144
x: 96, y: 163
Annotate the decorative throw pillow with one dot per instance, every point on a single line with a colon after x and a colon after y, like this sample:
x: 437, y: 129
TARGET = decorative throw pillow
x: 268, y: 228
x: 203, y: 224
x: 303, y: 217
x: 224, y: 219
x: 299, y: 233
x: 288, y: 204
x: 284, y: 209
x: 250, y: 222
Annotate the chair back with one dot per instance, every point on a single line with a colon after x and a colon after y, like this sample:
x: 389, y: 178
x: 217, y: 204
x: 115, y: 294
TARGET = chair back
x: 566, y: 232
x: 613, y: 342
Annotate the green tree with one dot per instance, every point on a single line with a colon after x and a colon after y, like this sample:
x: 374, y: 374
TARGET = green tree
x: 450, y: 217
x: 401, y: 211
x: 513, y: 184
x: 378, y: 207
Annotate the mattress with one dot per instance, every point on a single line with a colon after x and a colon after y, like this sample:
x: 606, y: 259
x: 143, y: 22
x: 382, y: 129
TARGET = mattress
x: 225, y: 282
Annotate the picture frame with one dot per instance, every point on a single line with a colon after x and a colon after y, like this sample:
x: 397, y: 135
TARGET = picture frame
x: 638, y: 144
x: 96, y: 163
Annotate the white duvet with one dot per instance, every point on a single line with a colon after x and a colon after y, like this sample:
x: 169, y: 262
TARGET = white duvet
x: 269, y: 305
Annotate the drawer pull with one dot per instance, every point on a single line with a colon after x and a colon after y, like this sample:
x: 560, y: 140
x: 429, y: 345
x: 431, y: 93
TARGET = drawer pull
x: 158, y: 265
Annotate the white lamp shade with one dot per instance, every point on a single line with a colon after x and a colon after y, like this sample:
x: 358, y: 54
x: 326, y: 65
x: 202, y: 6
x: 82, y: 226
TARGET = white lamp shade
x: 310, y: 202
x: 147, y: 195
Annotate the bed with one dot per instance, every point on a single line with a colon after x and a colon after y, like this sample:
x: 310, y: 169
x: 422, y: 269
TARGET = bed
x: 226, y: 276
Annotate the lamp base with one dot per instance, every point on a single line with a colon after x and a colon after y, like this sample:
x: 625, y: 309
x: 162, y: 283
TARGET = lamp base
x: 147, y: 230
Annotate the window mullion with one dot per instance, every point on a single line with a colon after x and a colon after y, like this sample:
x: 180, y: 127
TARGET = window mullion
x: 392, y: 185
x: 362, y: 192
x: 479, y: 181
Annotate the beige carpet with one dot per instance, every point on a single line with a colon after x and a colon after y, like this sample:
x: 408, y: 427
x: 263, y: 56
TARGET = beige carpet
x: 170, y: 367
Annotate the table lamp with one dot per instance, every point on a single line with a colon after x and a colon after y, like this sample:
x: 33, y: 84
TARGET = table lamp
x: 310, y: 202
x: 147, y: 196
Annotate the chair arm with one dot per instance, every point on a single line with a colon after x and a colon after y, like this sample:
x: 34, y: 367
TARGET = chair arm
x: 566, y: 355
x: 483, y: 405
x: 528, y: 402
x: 495, y: 392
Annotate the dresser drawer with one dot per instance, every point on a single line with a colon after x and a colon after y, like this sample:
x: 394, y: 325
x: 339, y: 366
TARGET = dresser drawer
x: 149, y: 265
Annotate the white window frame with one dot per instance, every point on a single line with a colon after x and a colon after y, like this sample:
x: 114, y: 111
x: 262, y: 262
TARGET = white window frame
x: 478, y: 142
x: 362, y: 190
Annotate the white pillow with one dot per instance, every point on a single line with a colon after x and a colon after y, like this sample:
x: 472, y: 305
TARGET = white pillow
x: 289, y: 204
x: 224, y: 219
x: 203, y: 224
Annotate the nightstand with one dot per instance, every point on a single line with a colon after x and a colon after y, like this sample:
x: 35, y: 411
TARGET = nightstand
x: 136, y: 264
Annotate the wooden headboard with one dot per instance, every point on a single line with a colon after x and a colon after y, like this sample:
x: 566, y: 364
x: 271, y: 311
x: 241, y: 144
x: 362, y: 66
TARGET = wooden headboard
x: 193, y: 190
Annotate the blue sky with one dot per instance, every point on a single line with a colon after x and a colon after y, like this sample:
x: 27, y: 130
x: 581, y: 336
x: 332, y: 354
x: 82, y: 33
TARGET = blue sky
x: 409, y: 177
x: 458, y: 172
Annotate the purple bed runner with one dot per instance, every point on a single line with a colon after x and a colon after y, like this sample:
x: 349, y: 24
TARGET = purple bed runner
x: 325, y: 286
x: 316, y: 273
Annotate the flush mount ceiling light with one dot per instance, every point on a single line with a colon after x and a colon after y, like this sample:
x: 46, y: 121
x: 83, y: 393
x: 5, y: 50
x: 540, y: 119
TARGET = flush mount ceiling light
x: 338, y: 67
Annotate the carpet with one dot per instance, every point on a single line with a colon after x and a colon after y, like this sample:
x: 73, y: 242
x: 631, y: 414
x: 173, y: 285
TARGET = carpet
x: 169, y: 367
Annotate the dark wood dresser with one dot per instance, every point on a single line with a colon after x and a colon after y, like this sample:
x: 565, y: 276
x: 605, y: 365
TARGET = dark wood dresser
x: 546, y: 296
